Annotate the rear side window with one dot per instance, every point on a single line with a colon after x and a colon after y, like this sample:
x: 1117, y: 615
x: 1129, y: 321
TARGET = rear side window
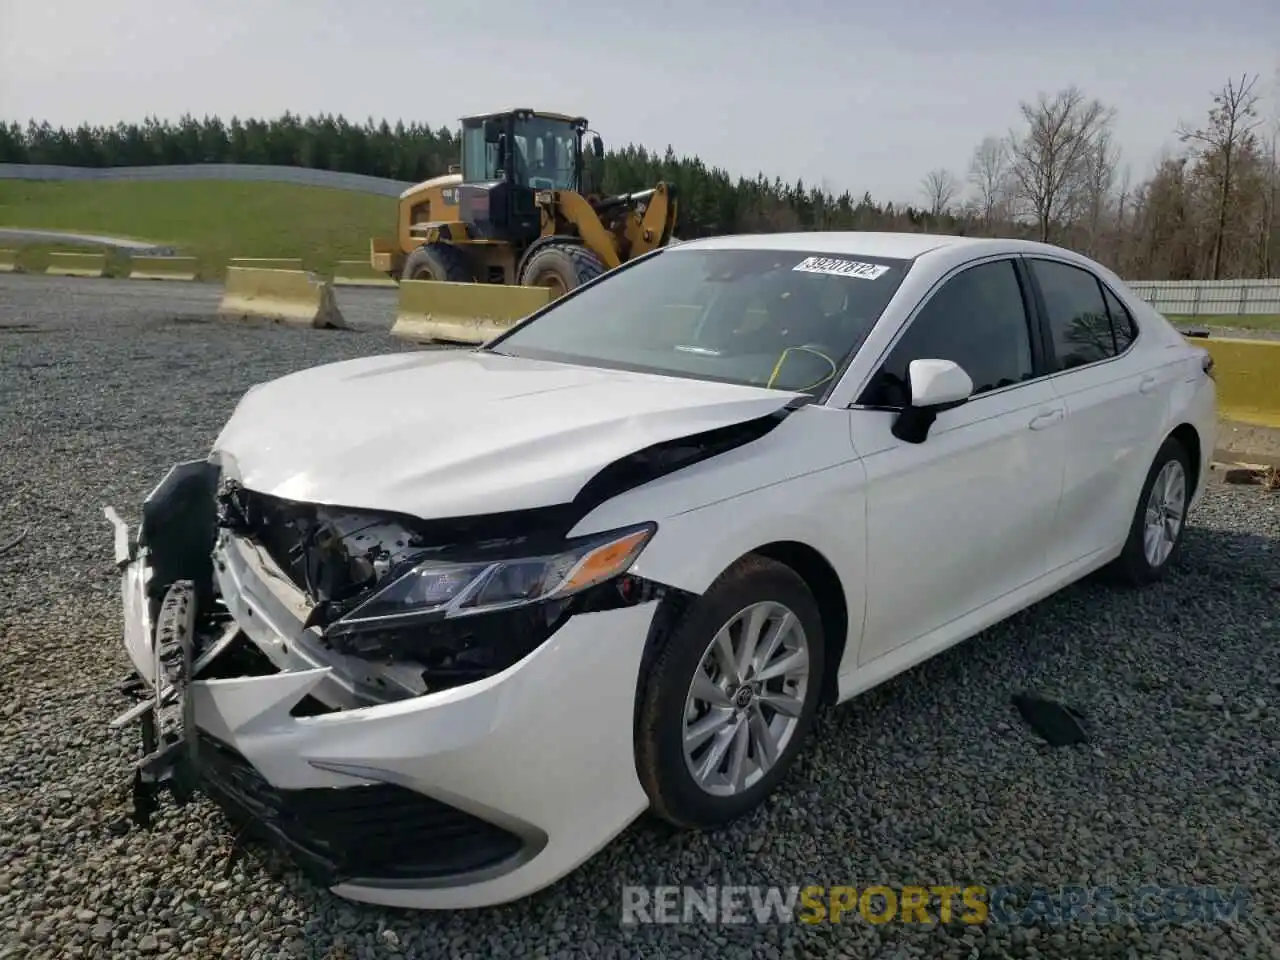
x: 1077, y: 313
x: 1123, y: 328
x: 976, y: 319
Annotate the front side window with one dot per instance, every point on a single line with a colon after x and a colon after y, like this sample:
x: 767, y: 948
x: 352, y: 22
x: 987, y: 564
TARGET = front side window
x: 480, y: 160
x: 1077, y: 314
x: 770, y: 318
x: 977, y: 319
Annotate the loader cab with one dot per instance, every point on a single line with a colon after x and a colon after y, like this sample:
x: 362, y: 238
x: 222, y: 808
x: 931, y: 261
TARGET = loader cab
x: 507, y: 158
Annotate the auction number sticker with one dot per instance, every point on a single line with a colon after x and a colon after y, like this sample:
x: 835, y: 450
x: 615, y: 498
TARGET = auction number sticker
x: 837, y: 267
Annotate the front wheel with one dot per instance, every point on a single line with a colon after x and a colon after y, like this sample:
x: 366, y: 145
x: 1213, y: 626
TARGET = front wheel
x: 730, y: 695
x: 561, y: 267
x: 1156, y: 532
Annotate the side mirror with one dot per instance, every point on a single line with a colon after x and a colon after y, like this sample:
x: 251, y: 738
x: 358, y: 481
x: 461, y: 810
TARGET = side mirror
x: 492, y: 131
x: 597, y: 146
x: 936, y: 385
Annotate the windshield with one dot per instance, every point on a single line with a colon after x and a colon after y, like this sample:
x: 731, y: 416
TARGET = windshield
x: 545, y: 154
x: 783, y: 319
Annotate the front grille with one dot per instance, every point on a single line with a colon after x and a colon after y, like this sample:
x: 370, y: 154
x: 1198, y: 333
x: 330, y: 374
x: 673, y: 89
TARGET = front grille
x: 377, y: 832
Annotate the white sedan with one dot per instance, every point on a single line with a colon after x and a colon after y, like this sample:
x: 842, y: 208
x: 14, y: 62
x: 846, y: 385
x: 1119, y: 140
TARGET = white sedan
x: 443, y: 623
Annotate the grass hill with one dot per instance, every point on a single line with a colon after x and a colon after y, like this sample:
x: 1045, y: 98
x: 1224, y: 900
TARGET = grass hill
x: 212, y: 220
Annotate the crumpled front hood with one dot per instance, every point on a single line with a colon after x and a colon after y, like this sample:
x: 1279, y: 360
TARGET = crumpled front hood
x: 450, y: 433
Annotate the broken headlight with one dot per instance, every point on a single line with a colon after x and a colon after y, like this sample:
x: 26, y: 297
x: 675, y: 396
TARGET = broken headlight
x: 441, y: 589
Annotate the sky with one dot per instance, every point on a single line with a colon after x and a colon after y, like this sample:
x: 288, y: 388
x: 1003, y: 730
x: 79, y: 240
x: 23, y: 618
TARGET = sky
x: 864, y: 97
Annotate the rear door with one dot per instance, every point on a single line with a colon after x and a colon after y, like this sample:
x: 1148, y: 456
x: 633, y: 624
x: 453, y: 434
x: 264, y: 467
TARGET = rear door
x: 1115, y: 404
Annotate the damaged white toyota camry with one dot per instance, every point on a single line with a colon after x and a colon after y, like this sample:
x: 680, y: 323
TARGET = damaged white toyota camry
x: 443, y: 623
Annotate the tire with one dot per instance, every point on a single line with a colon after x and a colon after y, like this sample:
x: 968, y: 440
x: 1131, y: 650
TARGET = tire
x: 562, y: 267
x: 437, y: 261
x: 674, y: 792
x: 1135, y: 567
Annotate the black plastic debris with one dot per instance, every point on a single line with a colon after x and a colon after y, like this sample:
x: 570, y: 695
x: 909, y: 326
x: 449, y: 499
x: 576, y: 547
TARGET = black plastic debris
x: 1056, y: 723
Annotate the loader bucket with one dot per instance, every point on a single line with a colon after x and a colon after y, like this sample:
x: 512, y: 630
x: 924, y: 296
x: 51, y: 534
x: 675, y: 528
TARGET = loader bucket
x: 436, y: 311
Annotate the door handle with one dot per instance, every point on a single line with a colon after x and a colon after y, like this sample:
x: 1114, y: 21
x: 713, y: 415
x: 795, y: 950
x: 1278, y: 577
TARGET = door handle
x: 1148, y: 383
x: 1043, y: 420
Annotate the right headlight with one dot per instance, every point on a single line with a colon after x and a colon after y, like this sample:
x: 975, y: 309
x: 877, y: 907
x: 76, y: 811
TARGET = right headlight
x: 437, y: 589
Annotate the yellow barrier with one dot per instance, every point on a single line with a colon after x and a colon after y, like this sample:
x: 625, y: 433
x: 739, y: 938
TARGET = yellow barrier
x: 77, y: 264
x: 1248, y: 375
x: 9, y: 261
x: 268, y: 263
x: 432, y: 310
x: 287, y: 296
x: 358, y: 273
x: 162, y: 268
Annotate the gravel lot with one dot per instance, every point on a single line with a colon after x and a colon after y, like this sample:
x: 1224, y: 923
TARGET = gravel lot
x: 930, y: 779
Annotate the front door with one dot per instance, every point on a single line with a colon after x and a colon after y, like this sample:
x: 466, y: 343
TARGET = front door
x: 965, y: 517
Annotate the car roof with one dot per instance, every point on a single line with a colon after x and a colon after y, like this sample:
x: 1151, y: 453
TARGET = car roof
x: 891, y: 246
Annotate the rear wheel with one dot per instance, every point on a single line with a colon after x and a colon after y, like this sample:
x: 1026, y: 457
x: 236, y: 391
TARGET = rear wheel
x: 561, y: 267
x: 1156, y: 532
x: 437, y: 261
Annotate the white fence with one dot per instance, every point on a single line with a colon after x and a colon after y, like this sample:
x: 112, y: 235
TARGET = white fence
x: 1202, y: 298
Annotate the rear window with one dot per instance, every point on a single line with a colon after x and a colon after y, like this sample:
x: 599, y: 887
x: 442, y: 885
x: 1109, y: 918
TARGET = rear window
x: 769, y: 318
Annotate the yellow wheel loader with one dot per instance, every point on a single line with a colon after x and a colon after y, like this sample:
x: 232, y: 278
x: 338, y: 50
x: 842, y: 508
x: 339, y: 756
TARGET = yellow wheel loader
x: 519, y: 211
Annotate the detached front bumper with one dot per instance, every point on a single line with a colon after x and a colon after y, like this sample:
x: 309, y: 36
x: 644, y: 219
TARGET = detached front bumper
x: 471, y: 796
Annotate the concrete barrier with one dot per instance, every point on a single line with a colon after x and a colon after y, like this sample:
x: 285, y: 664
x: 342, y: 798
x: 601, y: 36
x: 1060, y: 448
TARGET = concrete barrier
x: 268, y: 263
x: 359, y: 273
x: 432, y: 310
x: 162, y: 268
x: 77, y: 264
x: 287, y: 296
x: 9, y: 261
x: 1248, y: 376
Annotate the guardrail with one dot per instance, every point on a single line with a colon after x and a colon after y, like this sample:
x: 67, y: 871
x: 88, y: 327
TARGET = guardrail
x: 1210, y: 298
x: 76, y: 265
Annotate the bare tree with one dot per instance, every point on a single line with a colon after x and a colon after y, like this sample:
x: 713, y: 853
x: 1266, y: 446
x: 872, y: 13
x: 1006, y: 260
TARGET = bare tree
x: 1099, y: 178
x: 1232, y: 120
x: 1268, y: 230
x: 989, y: 174
x: 1050, y: 160
x: 940, y: 188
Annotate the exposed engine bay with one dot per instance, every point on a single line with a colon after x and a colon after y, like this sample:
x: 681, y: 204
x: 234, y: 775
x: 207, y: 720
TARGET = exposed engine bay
x: 290, y: 583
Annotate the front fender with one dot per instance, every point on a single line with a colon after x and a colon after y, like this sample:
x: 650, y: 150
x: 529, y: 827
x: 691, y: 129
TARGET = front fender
x: 712, y: 513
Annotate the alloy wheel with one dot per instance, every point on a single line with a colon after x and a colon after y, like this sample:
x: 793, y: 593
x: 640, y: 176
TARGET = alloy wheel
x: 746, y: 698
x: 1164, y: 514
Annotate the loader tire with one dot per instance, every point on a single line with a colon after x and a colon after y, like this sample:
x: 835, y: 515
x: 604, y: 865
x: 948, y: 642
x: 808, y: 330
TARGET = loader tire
x: 437, y: 261
x: 562, y: 267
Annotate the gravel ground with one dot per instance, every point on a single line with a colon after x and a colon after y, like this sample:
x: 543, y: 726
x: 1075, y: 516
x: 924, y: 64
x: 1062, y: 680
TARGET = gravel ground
x: 930, y: 779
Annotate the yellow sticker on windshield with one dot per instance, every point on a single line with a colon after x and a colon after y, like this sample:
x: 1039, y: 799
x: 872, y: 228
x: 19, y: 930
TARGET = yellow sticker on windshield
x: 841, y: 268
